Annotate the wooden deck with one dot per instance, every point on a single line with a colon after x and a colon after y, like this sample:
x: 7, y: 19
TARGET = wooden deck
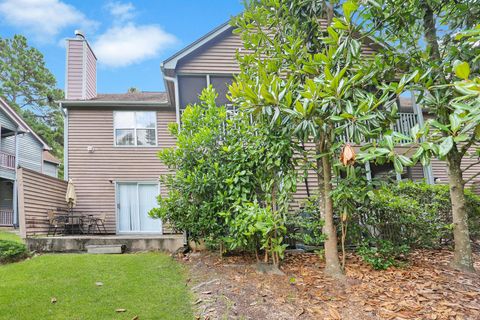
x: 132, y: 243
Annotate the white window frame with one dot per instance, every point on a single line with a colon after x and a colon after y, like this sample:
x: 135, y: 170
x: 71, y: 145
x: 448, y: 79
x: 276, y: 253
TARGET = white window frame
x: 117, y: 213
x: 134, y: 130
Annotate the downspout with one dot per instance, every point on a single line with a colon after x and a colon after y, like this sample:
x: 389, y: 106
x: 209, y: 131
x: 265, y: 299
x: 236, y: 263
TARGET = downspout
x: 65, y: 142
x: 15, y: 184
x: 177, y: 96
x: 177, y: 114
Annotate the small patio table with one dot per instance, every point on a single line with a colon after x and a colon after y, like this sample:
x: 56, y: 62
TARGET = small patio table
x: 74, y: 223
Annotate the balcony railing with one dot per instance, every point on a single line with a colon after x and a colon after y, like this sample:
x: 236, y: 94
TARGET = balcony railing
x: 403, y: 125
x: 7, y: 160
x: 6, y: 217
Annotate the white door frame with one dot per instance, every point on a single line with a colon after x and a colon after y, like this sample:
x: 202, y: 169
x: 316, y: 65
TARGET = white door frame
x: 117, y: 215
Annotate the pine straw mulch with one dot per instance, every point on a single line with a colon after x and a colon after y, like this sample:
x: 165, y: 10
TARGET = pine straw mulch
x: 232, y: 288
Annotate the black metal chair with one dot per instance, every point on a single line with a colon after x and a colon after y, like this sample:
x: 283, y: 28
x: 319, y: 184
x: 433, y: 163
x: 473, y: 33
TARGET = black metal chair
x: 97, y: 223
x: 55, y: 222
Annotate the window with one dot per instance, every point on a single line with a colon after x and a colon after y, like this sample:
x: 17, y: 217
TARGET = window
x: 190, y: 88
x: 221, y: 84
x: 135, y: 128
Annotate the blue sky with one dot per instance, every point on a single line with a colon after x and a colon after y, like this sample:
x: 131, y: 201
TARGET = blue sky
x: 130, y: 38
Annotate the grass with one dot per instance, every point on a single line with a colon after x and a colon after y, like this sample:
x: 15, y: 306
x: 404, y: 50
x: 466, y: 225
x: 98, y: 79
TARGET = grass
x: 147, y: 285
x: 4, y: 235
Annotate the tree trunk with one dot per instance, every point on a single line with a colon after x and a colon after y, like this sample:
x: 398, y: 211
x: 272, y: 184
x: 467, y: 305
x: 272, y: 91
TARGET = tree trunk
x: 332, y: 263
x: 430, y: 30
x: 462, y: 258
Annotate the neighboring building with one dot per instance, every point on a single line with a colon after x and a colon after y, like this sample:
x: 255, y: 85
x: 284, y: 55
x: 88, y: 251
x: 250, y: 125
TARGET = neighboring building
x: 20, y: 146
x: 112, y: 140
x: 111, y: 146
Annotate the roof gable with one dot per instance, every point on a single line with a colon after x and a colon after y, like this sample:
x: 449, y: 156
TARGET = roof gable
x: 20, y: 123
x: 171, y: 63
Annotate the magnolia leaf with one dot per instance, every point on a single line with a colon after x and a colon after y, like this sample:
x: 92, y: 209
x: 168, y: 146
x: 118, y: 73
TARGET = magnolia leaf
x: 455, y: 122
x: 418, y: 153
x: 445, y: 146
x: 397, y: 164
x: 405, y: 160
x: 348, y: 8
x: 438, y: 125
x: 414, y: 132
x: 461, y: 138
x: 462, y: 69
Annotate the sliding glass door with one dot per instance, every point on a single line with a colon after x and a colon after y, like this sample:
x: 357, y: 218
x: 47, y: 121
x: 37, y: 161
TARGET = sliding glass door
x: 134, y: 201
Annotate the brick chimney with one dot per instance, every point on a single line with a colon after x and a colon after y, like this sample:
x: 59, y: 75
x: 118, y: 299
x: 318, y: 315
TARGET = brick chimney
x: 81, y: 74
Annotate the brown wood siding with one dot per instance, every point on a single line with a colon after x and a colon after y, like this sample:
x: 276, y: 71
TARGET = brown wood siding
x: 94, y: 174
x: 218, y: 55
x: 37, y: 194
x: 440, y: 174
x: 74, y: 75
x: 91, y: 73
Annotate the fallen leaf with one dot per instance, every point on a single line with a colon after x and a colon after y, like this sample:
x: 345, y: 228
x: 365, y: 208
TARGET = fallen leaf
x: 334, y: 313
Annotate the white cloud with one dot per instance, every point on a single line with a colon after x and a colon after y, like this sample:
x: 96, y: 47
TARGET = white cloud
x: 44, y: 18
x: 121, y: 11
x: 121, y: 46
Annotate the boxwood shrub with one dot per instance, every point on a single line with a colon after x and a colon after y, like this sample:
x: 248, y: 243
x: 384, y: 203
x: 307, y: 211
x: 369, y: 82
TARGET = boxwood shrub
x: 11, y: 251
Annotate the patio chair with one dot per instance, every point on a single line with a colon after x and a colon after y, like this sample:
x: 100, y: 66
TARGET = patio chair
x: 97, y: 223
x: 55, y: 222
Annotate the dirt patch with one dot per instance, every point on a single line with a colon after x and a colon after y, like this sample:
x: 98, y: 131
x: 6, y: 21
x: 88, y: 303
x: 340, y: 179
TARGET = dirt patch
x: 232, y: 288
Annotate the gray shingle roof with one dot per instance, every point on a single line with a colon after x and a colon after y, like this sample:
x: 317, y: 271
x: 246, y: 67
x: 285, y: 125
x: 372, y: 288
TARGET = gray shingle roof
x: 160, y: 97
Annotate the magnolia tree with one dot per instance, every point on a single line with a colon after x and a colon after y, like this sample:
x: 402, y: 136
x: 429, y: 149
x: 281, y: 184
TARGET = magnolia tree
x: 433, y: 37
x: 315, y: 82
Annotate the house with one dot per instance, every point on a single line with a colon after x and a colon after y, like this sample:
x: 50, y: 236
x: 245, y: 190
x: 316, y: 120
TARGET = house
x: 20, y: 146
x: 112, y: 140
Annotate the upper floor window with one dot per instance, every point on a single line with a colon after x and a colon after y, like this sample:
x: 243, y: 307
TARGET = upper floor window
x: 135, y: 128
x: 191, y: 86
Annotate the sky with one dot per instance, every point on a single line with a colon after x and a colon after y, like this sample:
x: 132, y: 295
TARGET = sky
x: 129, y: 38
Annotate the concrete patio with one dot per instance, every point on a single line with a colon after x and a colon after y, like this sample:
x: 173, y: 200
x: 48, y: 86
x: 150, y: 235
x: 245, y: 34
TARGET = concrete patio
x: 78, y: 243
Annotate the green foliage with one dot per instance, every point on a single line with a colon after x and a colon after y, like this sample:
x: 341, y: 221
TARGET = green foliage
x: 11, y: 251
x: 228, y: 171
x: 30, y: 88
x: 315, y: 83
x: 305, y: 225
x: 383, y: 255
x: 256, y: 227
x: 412, y: 213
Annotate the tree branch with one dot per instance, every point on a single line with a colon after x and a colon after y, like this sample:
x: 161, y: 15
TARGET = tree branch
x: 471, y: 165
x: 467, y: 146
x: 471, y: 178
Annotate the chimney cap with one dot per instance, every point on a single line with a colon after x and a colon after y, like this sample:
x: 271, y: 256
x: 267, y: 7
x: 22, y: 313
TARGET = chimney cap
x: 80, y: 33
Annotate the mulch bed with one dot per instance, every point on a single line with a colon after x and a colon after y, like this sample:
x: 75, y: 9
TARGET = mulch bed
x: 232, y: 288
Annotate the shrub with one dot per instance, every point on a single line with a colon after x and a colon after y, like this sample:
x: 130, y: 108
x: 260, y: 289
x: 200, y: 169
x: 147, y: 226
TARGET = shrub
x: 383, y: 255
x: 412, y: 213
x: 254, y: 227
x: 11, y: 251
x: 305, y: 225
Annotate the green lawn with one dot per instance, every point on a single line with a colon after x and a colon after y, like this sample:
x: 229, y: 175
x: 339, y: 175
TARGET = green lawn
x: 4, y: 235
x: 147, y: 285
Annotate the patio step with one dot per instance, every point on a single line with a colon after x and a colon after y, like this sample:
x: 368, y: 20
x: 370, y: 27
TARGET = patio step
x: 106, y: 249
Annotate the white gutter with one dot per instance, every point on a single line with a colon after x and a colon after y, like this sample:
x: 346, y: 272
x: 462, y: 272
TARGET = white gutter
x: 114, y: 103
x: 65, y: 143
